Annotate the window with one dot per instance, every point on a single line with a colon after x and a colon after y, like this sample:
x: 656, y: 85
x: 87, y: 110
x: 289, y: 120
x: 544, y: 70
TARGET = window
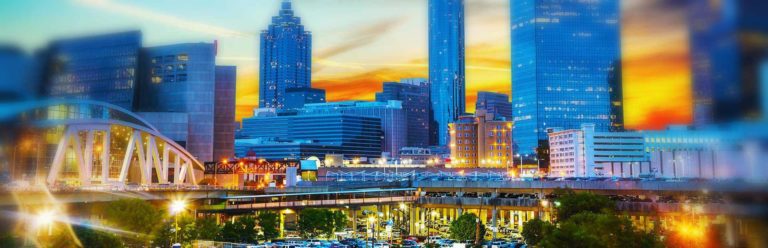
x: 182, y: 57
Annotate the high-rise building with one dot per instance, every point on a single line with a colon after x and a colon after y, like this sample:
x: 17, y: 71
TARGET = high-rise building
x: 564, y: 53
x: 414, y: 94
x: 350, y: 135
x: 616, y: 90
x: 446, y: 65
x: 182, y: 78
x: 16, y: 75
x: 390, y: 113
x: 495, y: 103
x: 728, y: 39
x: 285, y: 58
x: 296, y: 98
x: 481, y: 140
x: 224, y: 112
x: 102, y: 68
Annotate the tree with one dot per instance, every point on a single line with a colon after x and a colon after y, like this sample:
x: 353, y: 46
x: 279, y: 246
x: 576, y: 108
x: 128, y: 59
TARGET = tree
x: 571, y: 203
x: 207, y: 229
x: 465, y: 227
x: 95, y: 238
x: 166, y: 234
x: 535, y: 230
x: 314, y: 222
x: 270, y: 224
x: 134, y: 215
x: 339, y: 221
x: 242, y: 230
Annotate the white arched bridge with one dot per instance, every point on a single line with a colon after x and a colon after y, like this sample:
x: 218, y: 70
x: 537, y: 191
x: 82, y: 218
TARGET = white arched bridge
x: 83, y: 143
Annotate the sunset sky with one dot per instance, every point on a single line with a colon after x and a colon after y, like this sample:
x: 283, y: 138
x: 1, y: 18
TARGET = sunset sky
x: 358, y: 44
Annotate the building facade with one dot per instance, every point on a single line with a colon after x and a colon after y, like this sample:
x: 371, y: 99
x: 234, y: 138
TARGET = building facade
x: 495, y: 103
x: 481, y: 141
x: 564, y: 53
x: 182, y: 78
x: 414, y: 94
x: 285, y: 58
x: 587, y: 153
x: 16, y: 74
x: 224, y: 112
x: 295, y: 98
x: 349, y: 135
x: 101, y: 68
x: 390, y: 113
x: 728, y: 39
x: 446, y: 65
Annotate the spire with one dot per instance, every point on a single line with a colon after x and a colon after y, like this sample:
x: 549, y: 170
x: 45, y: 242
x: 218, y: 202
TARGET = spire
x: 285, y: 8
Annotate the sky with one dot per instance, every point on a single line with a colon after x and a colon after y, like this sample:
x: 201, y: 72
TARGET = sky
x: 359, y: 44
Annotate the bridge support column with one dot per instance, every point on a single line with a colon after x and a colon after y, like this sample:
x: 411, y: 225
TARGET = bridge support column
x: 459, y: 212
x: 354, y: 220
x: 494, y: 226
x: 412, y: 221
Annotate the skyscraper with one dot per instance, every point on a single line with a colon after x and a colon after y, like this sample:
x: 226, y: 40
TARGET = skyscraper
x: 414, y: 94
x: 182, y: 78
x: 102, y: 68
x: 446, y: 64
x: 295, y: 98
x: 224, y: 112
x: 285, y: 58
x: 16, y: 74
x: 563, y: 53
x: 494, y: 103
x: 728, y: 39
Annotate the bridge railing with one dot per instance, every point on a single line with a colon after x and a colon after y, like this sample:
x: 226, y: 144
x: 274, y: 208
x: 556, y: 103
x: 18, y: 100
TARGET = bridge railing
x: 312, y: 203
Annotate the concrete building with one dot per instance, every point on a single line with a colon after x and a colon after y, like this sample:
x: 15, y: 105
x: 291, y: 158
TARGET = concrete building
x: 181, y: 78
x: 224, y: 112
x: 390, y: 113
x: 481, y: 140
x: 495, y: 103
x: 414, y: 93
x: 446, y: 65
x: 285, y: 58
x: 353, y: 136
x: 587, y: 153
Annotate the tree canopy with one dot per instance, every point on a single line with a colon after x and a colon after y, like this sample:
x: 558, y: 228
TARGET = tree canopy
x: 315, y: 222
x: 270, y: 224
x: 242, y: 230
x: 465, y: 226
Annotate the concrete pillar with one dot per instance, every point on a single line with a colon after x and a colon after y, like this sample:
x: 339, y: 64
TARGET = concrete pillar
x: 354, y: 221
x: 282, y: 224
x: 459, y: 212
x: 412, y: 221
x: 494, y: 225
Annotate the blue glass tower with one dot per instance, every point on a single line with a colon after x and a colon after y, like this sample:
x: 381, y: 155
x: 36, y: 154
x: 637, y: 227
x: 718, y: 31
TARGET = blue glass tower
x: 496, y: 103
x: 728, y: 39
x: 285, y: 58
x: 446, y: 65
x: 414, y: 94
x: 102, y: 68
x: 563, y: 54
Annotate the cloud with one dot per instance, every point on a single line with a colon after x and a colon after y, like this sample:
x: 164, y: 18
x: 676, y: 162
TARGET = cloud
x: 147, y: 14
x: 358, y: 38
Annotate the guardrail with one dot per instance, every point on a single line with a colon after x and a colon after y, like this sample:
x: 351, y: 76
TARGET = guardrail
x: 312, y: 203
x: 601, y: 185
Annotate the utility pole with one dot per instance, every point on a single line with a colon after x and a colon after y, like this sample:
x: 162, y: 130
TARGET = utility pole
x: 477, y: 231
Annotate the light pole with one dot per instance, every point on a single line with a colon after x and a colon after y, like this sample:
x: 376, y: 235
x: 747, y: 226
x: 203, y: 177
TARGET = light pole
x: 477, y: 231
x: 177, y: 207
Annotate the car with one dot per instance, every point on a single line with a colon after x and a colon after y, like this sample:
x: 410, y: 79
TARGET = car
x: 409, y: 244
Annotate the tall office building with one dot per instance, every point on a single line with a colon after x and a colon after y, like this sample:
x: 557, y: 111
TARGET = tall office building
x: 102, y: 68
x: 16, y: 75
x: 446, y: 64
x: 414, y: 95
x: 564, y: 53
x: 728, y: 39
x: 224, y: 112
x: 390, y: 113
x: 285, y: 58
x: 495, y: 103
x: 616, y: 90
x: 296, y: 98
x: 182, y: 78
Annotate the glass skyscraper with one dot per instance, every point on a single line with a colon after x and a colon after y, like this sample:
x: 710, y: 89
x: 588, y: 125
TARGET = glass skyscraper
x: 102, y: 68
x: 728, y: 39
x: 495, y: 103
x: 182, y: 78
x: 285, y: 58
x: 563, y: 54
x: 414, y: 94
x: 295, y: 98
x: 446, y: 64
x: 16, y: 74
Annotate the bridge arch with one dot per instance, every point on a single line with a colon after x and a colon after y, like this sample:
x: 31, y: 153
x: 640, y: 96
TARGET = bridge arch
x: 83, y: 143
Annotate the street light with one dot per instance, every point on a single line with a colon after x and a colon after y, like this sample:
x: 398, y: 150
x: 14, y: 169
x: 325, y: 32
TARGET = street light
x: 177, y: 206
x: 45, y: 218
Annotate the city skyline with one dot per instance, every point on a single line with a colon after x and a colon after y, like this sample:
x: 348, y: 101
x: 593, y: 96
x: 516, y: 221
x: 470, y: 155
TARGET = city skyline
x: 384, y: 42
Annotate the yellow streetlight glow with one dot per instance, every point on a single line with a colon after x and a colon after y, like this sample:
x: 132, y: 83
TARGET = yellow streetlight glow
x: 402, y: 206
x: 178, y: 206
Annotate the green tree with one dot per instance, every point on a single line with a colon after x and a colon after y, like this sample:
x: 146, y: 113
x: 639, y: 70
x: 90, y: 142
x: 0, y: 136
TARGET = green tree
x: 588, y: 229
x: 95, y: 238
x: 134, y: 215
x: 569, y: 203
x: 314, y: 222
x: 339, y: 221
x: 535, y: 230
x: 270, y: 224
x: 165, y: 234
x: 207, y: 229
x: 465, y: 227
x: 242, y: 230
